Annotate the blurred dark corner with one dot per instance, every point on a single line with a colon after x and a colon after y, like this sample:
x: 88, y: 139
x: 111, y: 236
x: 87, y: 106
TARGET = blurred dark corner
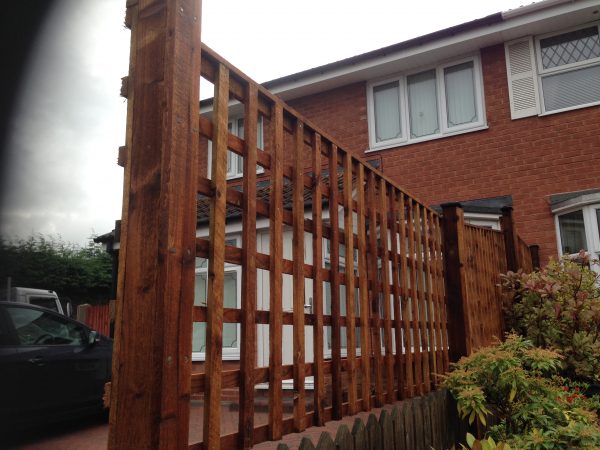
x: 20, y: 24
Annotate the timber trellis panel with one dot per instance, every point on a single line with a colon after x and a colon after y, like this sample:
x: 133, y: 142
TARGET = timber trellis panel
x: 399, y: 314
x: 406, y: 299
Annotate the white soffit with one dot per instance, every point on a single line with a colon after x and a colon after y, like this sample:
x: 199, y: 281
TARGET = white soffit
x: 539, y: 21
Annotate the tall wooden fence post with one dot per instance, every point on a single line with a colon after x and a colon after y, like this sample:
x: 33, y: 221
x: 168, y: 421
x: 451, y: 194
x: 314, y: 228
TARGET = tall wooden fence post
x: 459, y: 334
x: 153, y: 338
x: 507, y: 225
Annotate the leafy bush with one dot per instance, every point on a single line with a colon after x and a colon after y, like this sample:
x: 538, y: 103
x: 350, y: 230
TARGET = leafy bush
x: 84, y: 274
x: 518, y: 383
x: 559, y: 307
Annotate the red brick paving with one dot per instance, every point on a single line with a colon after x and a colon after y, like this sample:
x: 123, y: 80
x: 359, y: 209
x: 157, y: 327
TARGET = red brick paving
x: 92, y: 434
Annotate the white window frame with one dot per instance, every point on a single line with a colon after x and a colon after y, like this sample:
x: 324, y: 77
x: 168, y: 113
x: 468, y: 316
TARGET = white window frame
x: 229, y: 353
x: 541, y: 72
x: 237, y: 160
x: 484, y: 220
x: 590, y: 223
x: 445, y: 131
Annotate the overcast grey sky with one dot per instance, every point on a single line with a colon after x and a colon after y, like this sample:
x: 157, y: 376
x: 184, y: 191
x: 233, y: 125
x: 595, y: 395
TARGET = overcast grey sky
x: 69, y: 120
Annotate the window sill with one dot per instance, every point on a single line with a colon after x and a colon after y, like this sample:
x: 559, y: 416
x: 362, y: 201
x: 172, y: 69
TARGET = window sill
x: 572, y: 108
x: 420, y: 141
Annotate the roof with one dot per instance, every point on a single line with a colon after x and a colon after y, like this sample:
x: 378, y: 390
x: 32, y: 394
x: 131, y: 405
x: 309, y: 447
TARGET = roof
x: 463, y: 39
x: 490, y: 205
x: 568, y: 200
x: 263, y: 193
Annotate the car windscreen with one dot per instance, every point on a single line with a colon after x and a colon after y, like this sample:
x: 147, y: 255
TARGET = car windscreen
x: 44, y: 302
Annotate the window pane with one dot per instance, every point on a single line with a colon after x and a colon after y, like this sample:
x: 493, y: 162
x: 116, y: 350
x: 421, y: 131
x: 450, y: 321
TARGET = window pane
x: 200, y: 290
x: 44, y: 302
x: 386, y: 100
x: 40, y: 328
x: 459, y: 81
x: 573, y: 88
x: 569, y: 48
x: 572, y: 232
x: 598, y: 221
x: 422, y: 104
x: 230, y: 338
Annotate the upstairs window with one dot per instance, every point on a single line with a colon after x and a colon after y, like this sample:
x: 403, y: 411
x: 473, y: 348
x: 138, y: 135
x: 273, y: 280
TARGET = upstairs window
x: 428, y: 104
x: 554, y: 72
x: 569, y: 69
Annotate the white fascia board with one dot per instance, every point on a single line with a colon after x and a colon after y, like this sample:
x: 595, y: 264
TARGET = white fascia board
x: 553, y: 17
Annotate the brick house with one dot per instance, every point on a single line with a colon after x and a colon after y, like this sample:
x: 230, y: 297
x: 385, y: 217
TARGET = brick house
x: 502, y: 110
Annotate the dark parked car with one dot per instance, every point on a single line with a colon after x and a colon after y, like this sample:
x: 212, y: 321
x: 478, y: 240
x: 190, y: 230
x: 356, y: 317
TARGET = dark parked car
x: 51, y: 367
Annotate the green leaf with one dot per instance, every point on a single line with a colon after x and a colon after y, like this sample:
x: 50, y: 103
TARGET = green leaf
x: 470, y: 439
x: 512, y: 394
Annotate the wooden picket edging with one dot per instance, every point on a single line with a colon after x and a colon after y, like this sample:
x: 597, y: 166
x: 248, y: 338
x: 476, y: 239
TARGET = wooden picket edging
x: 421, y: 423
x: 421, y: 290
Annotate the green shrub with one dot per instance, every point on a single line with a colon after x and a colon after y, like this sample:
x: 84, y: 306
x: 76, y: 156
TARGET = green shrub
x: 559, y: 307
x: 518, y: 383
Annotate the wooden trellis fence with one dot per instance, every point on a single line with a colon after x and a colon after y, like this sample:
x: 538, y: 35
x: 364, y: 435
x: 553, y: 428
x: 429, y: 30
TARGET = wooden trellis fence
x: 400, y: 308
x: 399, y: 313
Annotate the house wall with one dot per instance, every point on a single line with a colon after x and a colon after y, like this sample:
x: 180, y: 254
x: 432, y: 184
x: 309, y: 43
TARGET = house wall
x: 529, y: 158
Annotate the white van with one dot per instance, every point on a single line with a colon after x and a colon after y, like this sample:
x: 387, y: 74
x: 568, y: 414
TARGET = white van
x: 40, y: 297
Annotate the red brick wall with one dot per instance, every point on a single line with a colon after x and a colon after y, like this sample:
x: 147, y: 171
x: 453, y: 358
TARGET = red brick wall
x: 529, y: 159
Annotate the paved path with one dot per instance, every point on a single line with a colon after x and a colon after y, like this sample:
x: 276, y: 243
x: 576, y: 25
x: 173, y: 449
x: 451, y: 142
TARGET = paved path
x: 92, y: 433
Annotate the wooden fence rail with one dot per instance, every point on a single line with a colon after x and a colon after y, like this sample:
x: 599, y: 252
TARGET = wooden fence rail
x: 355, y: 271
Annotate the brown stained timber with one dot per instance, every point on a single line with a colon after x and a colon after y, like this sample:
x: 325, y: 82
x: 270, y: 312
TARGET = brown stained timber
x: 156, y: 293
x: 406, y: 302
x: 422, y: 299
x: 396, y: 290
x: 216, y: 255
x: 363, y: 291
x: 336, y: 348
x: 375, y: 290
x: 429, y: 286
x: 298, y: 280
x: 276, y: 279
x: 387, y: 314
x: 249, y: 273
x: 414, y: 298
x: 317, y: 275
x: 350, y: 284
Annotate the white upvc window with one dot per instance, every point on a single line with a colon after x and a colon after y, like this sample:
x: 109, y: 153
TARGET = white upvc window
x: 484, y: 220
x: 235, y: 162
x: 569, y: 68
x: 426, y: 104
x: 554, y: 72
x: 327, y: 300
x: 232, y: 298
x: 578, y: 228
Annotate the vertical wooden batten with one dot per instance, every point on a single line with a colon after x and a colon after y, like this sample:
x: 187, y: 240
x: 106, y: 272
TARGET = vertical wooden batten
x: 152, y: 370
x: 276, y: 279
x: 216, y: 264
x: 249, y: 281
x: 298, y: 277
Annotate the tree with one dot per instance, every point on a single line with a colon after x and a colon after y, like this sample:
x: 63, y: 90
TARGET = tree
x: 82, y: 274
